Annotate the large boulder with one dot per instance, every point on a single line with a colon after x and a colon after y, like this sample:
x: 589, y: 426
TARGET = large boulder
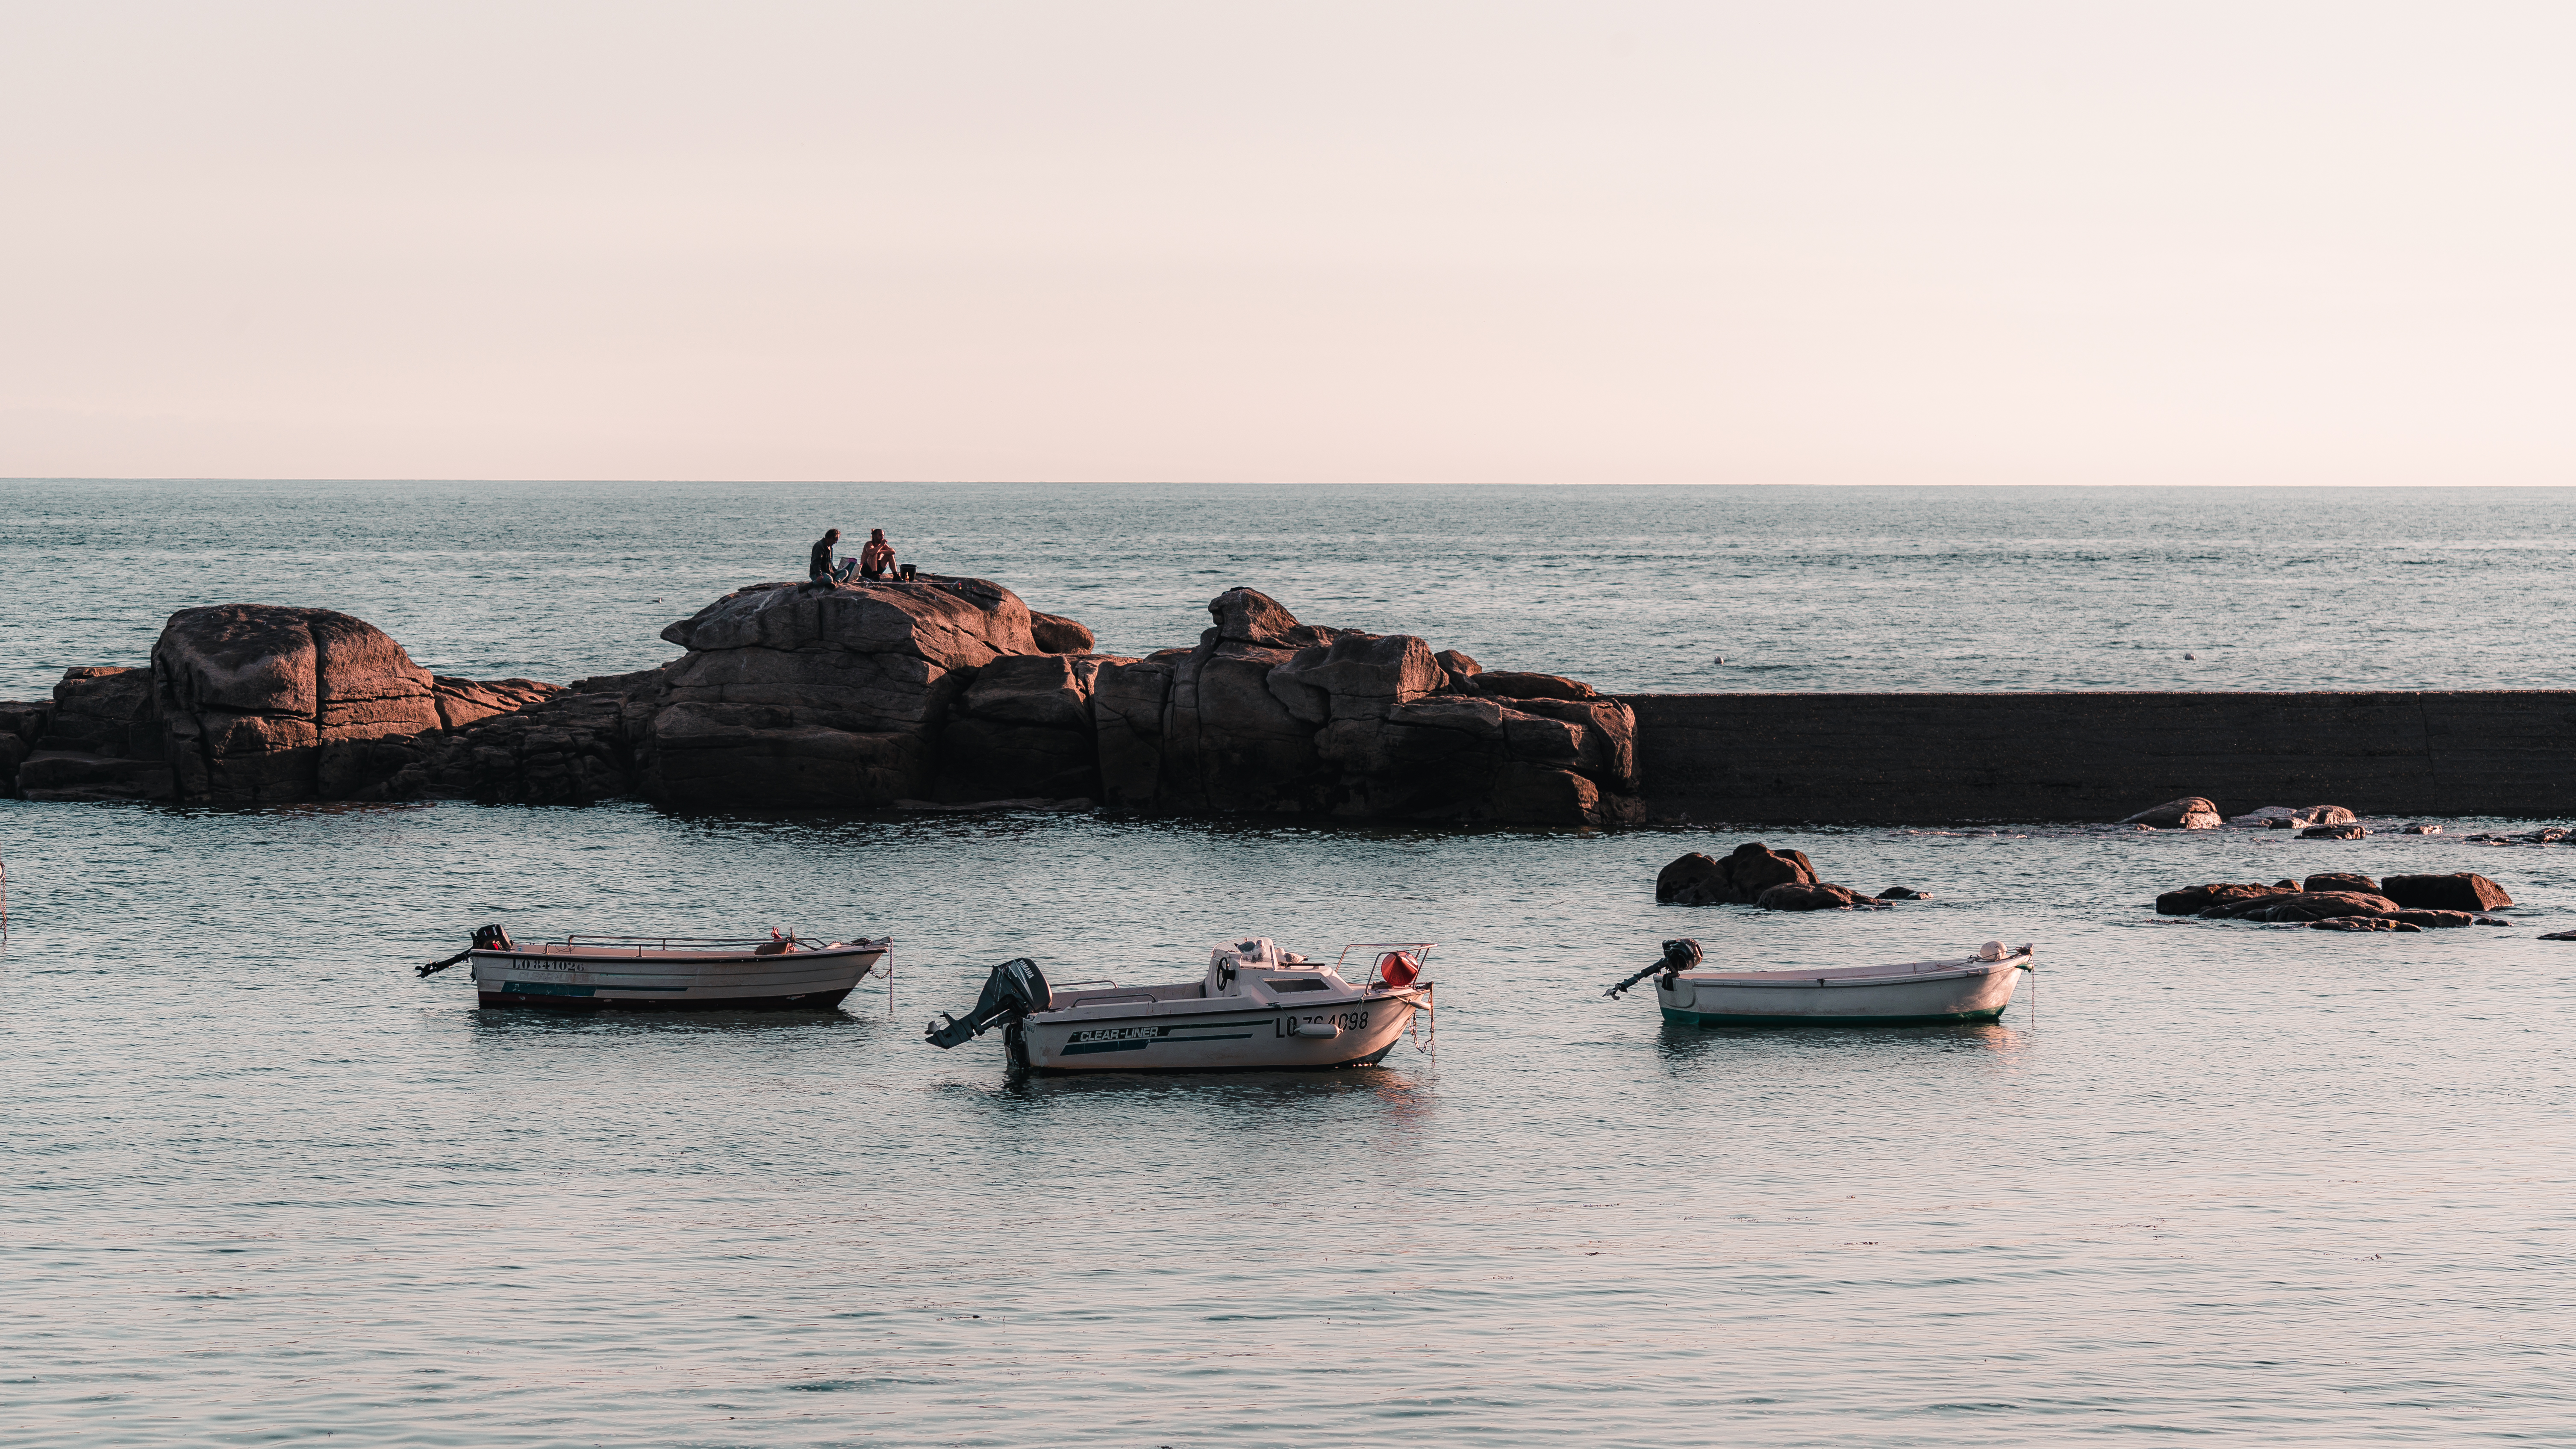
x: 2191, y: 812
x: 2341, y: 880
x: 100, y: 739
x: 262, y: 703
x: 1738, y: 879
x: 2462, y: 891
x: 793, y: 696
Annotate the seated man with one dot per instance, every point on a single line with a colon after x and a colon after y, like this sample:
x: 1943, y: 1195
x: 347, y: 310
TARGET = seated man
x: 876, y: 559
x: 819, y: 567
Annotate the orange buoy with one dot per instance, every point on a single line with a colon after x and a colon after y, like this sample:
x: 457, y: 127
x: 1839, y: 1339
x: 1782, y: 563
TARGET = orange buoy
x: 1398, y: 968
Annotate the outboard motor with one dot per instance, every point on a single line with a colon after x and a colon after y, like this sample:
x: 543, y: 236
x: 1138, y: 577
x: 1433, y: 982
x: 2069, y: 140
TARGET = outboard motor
x: 1015, y: 989
x: 1679, y: 956
x: 486, y: 938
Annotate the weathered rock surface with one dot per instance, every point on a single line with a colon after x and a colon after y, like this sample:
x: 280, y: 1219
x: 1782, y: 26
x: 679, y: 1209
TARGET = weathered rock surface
x: 1813, y: 896
x: 1023, y: 730
x: 2436, y: 920
x: 2339, y: 880
x: 2361, y: 923
x: 2302, y: 906
x: 2462, y: 891
x: 1738, y: 879
x: 2188, y: 813
x: 22, y: 723
x: 1057, y: 634
x: 461, y: 702
x: 2192, y: 900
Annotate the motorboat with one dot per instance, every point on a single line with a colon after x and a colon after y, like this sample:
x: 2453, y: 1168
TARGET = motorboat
x: 1974, y: 987
x: 1257, y: 1008
x: 667, y: 973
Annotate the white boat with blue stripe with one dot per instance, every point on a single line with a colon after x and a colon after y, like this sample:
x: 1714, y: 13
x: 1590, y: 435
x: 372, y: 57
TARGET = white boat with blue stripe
x: 1258, y: 1008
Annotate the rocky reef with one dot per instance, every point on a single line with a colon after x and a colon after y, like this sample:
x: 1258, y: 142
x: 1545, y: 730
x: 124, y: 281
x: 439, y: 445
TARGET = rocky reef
x: 1753, y: 874
x: 2344, y: 901
x: 930, y: 691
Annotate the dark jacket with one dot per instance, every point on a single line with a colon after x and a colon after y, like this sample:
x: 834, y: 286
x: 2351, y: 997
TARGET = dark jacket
x: 818, y: 565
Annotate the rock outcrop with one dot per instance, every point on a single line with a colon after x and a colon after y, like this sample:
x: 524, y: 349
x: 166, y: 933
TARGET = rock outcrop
x: 792, y: 696
x: 1753, y: 874
x: 1269, y: 715
x: 99, y: 741
x: 2188, y: 813
x: 2462, y: 891
x: 2339, y: 880
x: 929, y: 690
x: 1738, y: 879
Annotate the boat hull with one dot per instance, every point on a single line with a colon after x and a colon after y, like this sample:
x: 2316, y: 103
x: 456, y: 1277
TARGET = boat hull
x: 1246, y: 1039
x: 1967, y: 993
x: 588, y: 981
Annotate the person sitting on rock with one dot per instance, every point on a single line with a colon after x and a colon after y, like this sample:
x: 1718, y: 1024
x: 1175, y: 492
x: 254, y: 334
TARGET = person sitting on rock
x: 819, y: 567
x: 876, y: 557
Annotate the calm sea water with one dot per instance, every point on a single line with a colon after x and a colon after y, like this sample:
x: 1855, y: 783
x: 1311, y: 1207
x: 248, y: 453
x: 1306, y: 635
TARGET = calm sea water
x: 1631, y: 588
x: 260, y: 1185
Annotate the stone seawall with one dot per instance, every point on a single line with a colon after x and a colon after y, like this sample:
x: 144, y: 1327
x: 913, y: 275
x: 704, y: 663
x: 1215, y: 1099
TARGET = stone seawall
x: 1938, y: 758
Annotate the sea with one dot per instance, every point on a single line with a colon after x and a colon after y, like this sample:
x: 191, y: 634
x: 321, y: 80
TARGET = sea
x: 261, y: 1184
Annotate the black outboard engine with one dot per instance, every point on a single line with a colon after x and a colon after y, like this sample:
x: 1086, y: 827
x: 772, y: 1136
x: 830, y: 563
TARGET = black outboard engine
x: 1679, y: 956
x: 486, y: 938
x: 1015, y: 989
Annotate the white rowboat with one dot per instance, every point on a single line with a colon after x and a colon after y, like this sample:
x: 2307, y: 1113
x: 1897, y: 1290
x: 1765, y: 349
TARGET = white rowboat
x: 668, y: 973
x: 1975, y: 987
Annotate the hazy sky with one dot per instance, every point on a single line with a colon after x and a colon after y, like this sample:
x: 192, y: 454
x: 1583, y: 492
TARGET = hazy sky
x: 1440, y: 242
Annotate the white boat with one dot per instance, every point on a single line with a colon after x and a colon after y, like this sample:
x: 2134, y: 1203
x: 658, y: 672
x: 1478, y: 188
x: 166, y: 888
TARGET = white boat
x: 666, y: 973
x: 1258, y: 1008
x: 1975, y: 987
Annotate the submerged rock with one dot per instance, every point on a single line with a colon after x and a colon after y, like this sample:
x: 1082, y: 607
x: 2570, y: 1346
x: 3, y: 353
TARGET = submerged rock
x: 1813, y: 896
x: 2361, y: 923
x: 2301, y: 906
x: 2333, y: 832
x: 2193, y: 900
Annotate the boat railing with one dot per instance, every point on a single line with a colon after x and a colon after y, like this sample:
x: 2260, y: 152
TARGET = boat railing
x: 639, y: 944
x: 1421, y: 956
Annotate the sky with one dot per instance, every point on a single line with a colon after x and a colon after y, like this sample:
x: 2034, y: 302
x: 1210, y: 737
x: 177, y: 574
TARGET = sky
x: 1490, y: 242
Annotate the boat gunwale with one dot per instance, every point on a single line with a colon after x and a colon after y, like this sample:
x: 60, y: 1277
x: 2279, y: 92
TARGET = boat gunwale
x: 1202, y: 1006
x: 1793, y: 980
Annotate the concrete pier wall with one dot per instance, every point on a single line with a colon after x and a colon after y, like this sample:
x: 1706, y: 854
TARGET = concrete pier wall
x: 1938, y: 758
